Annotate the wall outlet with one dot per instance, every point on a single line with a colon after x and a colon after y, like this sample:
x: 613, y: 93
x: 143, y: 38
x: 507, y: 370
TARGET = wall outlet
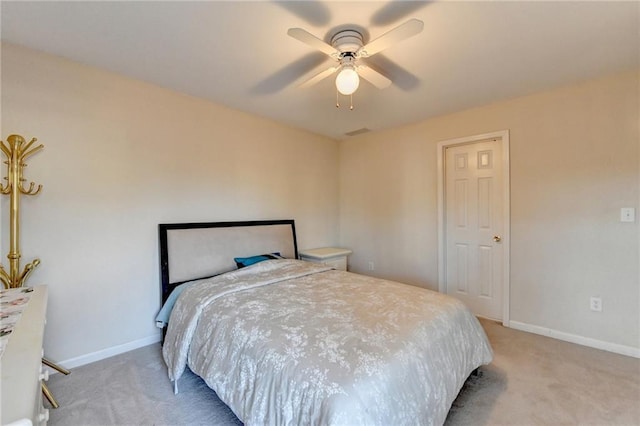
x: 596, y: 304
x: 372, y: 266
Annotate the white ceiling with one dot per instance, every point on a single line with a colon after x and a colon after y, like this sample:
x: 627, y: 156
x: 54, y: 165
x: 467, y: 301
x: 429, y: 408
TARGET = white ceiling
x: 238, y: 53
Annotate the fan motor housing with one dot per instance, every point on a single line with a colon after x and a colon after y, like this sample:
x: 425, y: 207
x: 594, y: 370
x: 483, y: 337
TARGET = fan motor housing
x: 347, y: 41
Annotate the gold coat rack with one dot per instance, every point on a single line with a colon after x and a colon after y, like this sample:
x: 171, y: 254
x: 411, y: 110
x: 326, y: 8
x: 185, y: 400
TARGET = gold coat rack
x: 16, y: 152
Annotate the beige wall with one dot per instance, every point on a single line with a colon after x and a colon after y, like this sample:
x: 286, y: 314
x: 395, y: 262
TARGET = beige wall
x: 122, y: 156
x: 574, y: 163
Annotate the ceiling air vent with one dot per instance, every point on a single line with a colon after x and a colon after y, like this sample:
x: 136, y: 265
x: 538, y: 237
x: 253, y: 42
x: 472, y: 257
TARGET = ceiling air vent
x: 358, y: 132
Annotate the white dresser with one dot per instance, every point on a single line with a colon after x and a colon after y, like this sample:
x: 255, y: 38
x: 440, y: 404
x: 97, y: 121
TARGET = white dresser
x: 21, y: 365
x: 330, y: 256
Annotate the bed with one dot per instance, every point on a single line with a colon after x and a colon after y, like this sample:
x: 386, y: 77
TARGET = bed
x: 288, y: 342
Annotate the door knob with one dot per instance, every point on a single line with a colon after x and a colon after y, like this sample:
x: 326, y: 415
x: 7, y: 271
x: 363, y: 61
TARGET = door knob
x: 497, y: 238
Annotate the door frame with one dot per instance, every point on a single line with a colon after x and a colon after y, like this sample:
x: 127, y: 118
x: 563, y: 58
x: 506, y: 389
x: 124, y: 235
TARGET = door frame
x: 503, y: 135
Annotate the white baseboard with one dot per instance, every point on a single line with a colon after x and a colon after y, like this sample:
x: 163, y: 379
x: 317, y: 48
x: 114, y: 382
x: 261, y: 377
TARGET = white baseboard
x: 108, y: 352
x: 574, y: 338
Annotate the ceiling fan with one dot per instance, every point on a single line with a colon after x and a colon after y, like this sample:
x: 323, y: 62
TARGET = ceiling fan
x: 347, y: 49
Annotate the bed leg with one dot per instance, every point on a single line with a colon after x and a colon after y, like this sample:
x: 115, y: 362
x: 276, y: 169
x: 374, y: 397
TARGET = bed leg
x: 175, y: 387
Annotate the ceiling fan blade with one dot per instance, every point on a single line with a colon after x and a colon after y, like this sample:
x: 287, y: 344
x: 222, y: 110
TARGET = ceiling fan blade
x: 315, y: 12
x: 313, y: 41
x: 373, y: 77
x: 320, y: 76
x: 399, y: 33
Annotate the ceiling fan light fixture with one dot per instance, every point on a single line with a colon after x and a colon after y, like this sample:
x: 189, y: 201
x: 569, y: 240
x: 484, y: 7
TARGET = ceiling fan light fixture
x: 347, y: 48
x: 347, y: 81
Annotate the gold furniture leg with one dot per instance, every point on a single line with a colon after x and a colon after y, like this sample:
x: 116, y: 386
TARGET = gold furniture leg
x: 45, y: 390
x: 47, y: 393
x: 55, y: 366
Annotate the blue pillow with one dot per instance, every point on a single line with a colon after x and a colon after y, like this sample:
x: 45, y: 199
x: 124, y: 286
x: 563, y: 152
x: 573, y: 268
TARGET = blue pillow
x: 162, y: 319
x: 241, y: 262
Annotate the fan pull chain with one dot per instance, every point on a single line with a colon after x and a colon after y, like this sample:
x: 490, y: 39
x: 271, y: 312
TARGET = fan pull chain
x: 338, y: 100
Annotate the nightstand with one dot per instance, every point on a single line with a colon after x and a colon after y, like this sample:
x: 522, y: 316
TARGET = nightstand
x: 330, y: 256
x: 22, y: 372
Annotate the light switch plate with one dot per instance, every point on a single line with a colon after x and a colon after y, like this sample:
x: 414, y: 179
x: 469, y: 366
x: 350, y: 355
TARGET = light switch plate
x: 627, y: 214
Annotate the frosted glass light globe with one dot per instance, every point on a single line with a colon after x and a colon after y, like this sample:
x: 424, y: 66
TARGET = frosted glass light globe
x: 347, y: 80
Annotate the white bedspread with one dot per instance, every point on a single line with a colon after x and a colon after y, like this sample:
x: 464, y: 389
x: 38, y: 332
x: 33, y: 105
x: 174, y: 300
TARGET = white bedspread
x: 286, y: 342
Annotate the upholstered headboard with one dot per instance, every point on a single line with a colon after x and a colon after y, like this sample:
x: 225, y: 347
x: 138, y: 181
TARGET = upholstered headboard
x: 190, y: 251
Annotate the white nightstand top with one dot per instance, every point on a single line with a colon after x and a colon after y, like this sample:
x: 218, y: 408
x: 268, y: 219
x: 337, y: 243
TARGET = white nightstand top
x: 324, y: 252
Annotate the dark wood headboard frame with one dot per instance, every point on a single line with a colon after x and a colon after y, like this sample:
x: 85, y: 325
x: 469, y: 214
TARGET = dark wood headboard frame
x: 167, y: 286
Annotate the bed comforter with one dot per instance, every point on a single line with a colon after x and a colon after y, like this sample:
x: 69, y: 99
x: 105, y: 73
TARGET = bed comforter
x: 286, y: 342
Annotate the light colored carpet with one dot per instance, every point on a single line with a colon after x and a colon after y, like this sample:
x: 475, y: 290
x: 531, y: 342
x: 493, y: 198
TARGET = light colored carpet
x: 536, y: 380
x: 533, y: 380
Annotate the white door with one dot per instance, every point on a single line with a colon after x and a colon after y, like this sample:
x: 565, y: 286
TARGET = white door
x: 474, y: 225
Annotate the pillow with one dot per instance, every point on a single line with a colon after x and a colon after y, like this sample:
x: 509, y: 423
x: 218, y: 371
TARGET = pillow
x: 246, y: 261
x: 162, y: 319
